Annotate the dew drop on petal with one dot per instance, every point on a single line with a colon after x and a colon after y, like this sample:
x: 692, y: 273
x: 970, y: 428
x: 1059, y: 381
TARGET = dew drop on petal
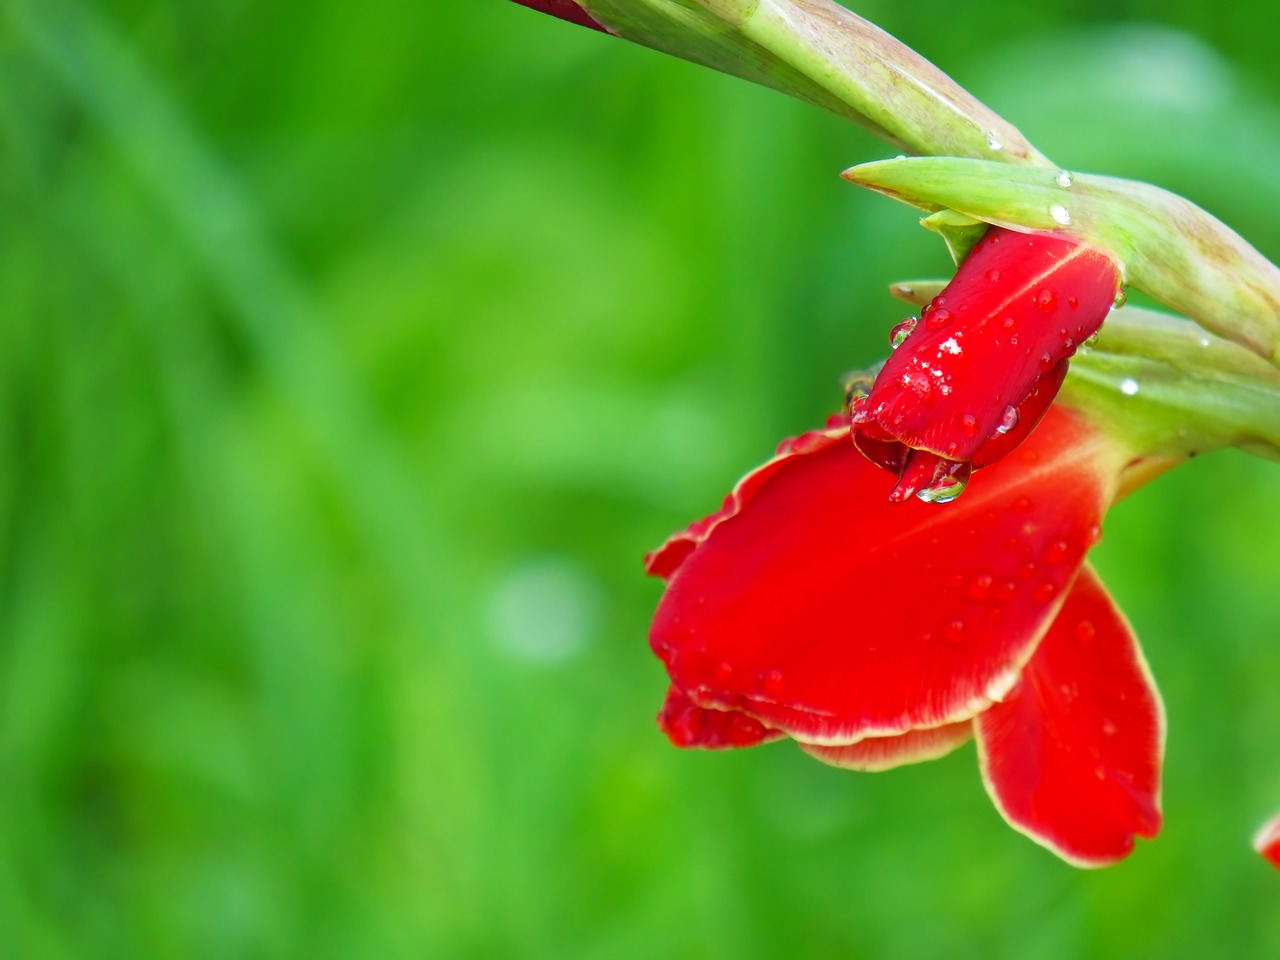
x: 1008, y: 590
x: 1073, y: 302
x: 969, y: 425
x: 1086, y: 631
x: 724, y: 671
x: 980, y: 586
x: 1046, y: 300
x: 1108, y: 727
x: 993, y: 140
x: 772, y: 681
x: 993, y: 276
x: 1057, y: 551
x: 1091, y: 340
x: 1064, y: 179
x: 1047, y: 363
x: 947, y: 484
x: 1129, y: 387
x: 1122, y: 297
x: 1009, y: 420
x: 937, y: 318
x: 954, y: 631
x: 1045, y: 591
x: 1060, y: 214
x: 1027, y: 570
x: 1022, y: 504
x: 1093, y: 536
x: 898, y: 335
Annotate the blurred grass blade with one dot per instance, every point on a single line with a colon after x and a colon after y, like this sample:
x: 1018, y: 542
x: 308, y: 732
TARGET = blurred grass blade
x: 1167, y: 246
x: 821, y: 52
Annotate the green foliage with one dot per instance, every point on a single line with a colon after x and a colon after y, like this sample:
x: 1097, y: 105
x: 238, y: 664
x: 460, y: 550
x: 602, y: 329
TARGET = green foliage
x: 352, y: 358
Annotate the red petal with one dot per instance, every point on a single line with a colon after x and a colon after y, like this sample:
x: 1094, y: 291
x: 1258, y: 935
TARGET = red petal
x: 1072, y: 757
x: 1267, y: 841
x: 817, y: 606
x: 1018, y: 305
x: 884, y: 753
x: 664, y: 561
x: 565, y: 10
x: 688, y: 725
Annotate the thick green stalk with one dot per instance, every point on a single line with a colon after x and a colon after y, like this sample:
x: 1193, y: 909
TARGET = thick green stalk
x: 821, y: 52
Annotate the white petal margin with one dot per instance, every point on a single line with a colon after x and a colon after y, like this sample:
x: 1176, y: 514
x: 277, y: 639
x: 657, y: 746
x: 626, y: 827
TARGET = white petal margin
x: 874, y: 754
x: 1088, y: 605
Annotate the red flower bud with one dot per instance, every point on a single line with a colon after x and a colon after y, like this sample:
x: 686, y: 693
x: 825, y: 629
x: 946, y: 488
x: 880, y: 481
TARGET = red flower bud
x: 969, y: 380
x: 565, y: 10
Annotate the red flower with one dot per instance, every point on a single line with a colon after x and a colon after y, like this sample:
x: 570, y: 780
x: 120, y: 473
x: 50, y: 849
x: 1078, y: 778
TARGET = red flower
x: 565, y: 10
x: 1266, y: 841
x: 876, y: 635
x: 970, y: 379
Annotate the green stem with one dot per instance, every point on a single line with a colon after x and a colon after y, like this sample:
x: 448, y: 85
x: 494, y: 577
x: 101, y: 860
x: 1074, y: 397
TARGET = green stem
x: 823, y: 53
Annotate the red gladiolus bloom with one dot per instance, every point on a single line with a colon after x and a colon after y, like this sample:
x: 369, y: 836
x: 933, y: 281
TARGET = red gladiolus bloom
x: 1266, y: 841
x: 565, y: 10
x: 876, y: 635
x: 970, y: 379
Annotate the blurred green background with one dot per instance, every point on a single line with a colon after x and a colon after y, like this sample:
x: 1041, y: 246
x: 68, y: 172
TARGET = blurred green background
x: 353, y: 356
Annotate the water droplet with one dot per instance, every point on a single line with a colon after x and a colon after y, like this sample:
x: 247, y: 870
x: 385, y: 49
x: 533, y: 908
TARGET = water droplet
x: 1073, y: 302
x: 901, y: 156
x: 954, y: 631
x: 724, y: 671
x: 1108, y: 728
x: 993, y: 276
x: 934, y: 319
x: 1057, y: 551
x: 1122, y: 297
x: 1093, y: 536
x: 1022, y: 504
x: 1069, y: 690
x: 993, y: 140
x: 980, y: 586
x: 952, y: 448
x: 1129, y: 387
x: 1091, y: 340
x: 918, y: 382
x: 1008, y: 590
x: 1100, y: 772
x: 1027, y: 570
x: 1045, y: 591
x: 771, y: 680
x: 1064, y: 179
x: 1047, y: 363
x: 1009, y: 420
x: 898, y: 335
x: 969, y: 425
x: 1046, y: 300
x: 1059, y: 214
x: 947, y: 484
